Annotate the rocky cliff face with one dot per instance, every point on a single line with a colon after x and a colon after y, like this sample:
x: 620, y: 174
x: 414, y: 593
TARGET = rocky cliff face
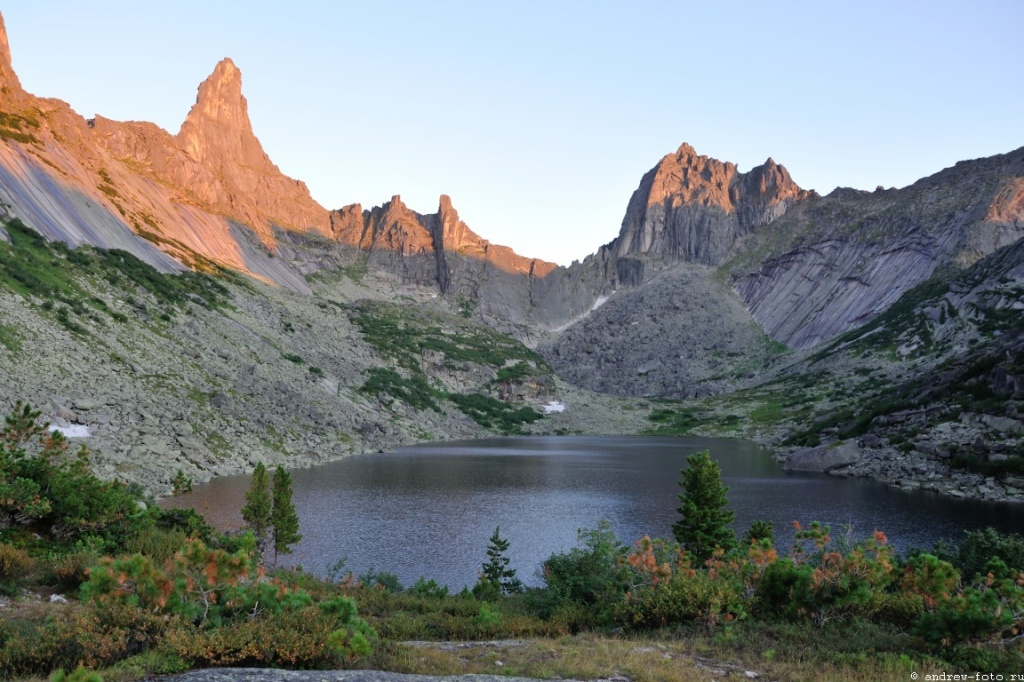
x: 216, y: 160
x: 136, y: 187
x: 694, y: 208
x: 807, y: 268
x: 840, y: 261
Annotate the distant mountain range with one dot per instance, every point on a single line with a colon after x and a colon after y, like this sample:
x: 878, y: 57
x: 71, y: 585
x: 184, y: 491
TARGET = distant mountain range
x: 720, y: 286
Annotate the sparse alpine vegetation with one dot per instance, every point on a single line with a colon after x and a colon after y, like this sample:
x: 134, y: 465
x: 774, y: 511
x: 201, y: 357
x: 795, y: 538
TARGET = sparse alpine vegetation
x: 419, y: 342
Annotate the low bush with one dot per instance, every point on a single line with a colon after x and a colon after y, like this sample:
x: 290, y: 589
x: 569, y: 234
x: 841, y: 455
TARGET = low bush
x: 306, y: 638
x: 586, y: 584
x: 15, y: 565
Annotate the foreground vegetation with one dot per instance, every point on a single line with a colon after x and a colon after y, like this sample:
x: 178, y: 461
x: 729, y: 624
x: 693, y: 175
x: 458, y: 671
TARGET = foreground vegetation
x: 158, y: 591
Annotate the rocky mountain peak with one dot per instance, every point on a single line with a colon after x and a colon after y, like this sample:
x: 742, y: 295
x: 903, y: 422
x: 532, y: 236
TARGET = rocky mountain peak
x: 8, y: 79
x: 693, y: 207
x: 217, y: 128
x: 220, y: 97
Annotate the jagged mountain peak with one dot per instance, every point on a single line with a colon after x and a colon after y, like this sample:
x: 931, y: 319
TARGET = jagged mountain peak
x: 8, y: 79
x: 695, y: 208
x: 218, y: 127
x: 220, y: 97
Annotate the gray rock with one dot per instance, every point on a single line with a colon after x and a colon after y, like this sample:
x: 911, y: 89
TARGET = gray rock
x: 824, y: 458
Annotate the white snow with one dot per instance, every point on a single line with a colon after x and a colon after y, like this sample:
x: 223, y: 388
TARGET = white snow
x: 73, y: 431
x: 553, y: 406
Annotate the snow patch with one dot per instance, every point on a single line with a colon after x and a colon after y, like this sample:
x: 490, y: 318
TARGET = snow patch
x: 73, y: 431
x: 599, y: 302
x: 553, y: 407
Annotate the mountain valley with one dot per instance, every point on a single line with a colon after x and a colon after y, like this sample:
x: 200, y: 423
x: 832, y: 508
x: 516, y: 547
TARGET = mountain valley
x: 197, y: 310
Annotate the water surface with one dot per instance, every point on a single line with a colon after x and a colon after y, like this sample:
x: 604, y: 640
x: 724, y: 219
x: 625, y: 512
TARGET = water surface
x: 428, y: 510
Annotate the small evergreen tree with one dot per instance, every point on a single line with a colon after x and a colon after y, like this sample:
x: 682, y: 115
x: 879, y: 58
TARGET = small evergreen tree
x: 283, y: 519
x: 705, y: 519
x: 257, y: 510
x: 759, y: 530
x: 496, y: 571
x: 182, y: 484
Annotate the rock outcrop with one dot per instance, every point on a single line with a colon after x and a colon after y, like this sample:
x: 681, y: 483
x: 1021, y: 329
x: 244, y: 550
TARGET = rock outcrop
x: 8, y: 79
x: 694, y: 208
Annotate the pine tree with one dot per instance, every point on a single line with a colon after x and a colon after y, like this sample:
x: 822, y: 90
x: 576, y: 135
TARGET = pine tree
x: 496, y: 570
x: 703, y: 505
x: 284, y: 520
x: 257, y: 510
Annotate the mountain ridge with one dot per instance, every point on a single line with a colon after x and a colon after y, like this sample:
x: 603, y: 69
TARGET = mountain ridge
x: 718, y: 283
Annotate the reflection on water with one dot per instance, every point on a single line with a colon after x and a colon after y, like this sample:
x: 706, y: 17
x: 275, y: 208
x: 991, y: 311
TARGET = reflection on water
x: 429, y: 510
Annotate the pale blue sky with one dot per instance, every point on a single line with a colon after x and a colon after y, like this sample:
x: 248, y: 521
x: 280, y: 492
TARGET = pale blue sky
x: 540, y: 117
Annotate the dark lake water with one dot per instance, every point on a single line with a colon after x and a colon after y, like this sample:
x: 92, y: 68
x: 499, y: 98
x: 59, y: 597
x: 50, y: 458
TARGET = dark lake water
x: 428, y: 510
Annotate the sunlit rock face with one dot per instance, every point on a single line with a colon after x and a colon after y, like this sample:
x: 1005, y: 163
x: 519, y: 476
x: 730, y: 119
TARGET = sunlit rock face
x: 695, y: 208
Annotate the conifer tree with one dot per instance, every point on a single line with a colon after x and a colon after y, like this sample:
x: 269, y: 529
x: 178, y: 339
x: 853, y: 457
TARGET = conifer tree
x: 284, y: 520
x: 257, y: 510
x: 703, y: 505
x: 496, y: 570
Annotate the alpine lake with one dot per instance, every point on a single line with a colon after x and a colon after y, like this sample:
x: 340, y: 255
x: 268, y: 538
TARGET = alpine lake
x: 429, y: 510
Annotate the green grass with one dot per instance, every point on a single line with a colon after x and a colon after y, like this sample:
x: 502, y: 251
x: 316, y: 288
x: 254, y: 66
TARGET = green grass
x: 10, y: 338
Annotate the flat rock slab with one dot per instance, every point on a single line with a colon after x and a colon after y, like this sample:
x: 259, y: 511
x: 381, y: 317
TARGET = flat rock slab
x: 824, y: 458
x: 264, y: 675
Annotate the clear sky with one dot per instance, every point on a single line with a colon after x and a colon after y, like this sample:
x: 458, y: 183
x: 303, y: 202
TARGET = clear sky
x: 539, y: 117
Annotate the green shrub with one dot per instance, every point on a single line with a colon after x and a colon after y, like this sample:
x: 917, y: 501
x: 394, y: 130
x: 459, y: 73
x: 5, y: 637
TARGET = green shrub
x: 590, y: 579
x: 69, y: 571
x: 413, y: 391
x: 15, y: 565
x: 76, y: 635
x: 156, y: 543
x: 983, y: 611
x: 978, y: 547
x: 381, y: 580
x: 492, y: 413
x: 428, y: 588
x: 306, y: 638
x: 79, y: 674
x: 41, y: 482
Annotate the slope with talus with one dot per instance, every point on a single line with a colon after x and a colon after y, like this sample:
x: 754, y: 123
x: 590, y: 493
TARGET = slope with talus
x: 839, y: 261
x: 212, y: 375
x: 682, y: 334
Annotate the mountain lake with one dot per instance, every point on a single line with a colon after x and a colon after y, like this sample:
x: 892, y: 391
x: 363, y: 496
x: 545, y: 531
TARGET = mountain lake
x: 429, y: 510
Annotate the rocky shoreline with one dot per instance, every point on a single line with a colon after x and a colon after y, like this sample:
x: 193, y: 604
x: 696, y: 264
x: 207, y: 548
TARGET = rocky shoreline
x: 914, y: 470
